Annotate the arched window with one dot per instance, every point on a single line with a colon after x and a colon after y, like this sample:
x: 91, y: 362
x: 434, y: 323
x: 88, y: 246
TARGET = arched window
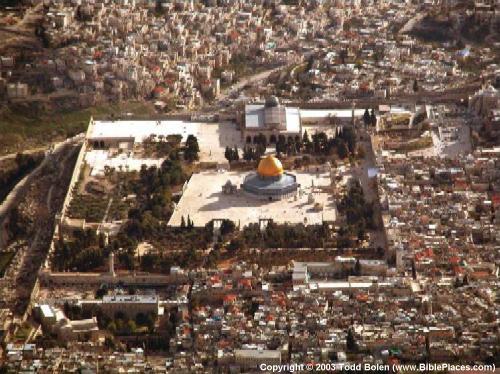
x: 272, y: 139
x: 249, y: 139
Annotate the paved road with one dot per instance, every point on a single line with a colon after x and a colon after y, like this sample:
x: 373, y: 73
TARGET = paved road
x: 26, y: 152
x: 235, y: 89
x: 411, y: 23
x: 249, y: 80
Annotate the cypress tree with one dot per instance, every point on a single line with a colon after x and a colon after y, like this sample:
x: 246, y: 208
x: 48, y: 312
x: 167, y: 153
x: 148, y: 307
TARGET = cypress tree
x: 366, y: 117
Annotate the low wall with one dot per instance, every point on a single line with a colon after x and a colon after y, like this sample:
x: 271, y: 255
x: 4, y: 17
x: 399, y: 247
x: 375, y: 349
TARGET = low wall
x: 70, y: 278
x: 76, y: 172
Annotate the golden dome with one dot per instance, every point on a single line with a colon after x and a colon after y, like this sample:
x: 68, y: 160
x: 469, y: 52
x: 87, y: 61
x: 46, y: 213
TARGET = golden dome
x: 270, y: 166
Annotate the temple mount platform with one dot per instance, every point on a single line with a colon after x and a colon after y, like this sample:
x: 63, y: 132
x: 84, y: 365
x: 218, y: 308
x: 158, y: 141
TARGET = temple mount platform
x: 219, y: 194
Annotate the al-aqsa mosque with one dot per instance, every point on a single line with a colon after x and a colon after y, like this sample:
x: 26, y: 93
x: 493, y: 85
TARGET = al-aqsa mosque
x: 270, y: 182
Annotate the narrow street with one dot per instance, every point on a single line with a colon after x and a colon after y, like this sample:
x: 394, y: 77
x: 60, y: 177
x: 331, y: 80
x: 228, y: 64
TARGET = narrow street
x: 378, y: 237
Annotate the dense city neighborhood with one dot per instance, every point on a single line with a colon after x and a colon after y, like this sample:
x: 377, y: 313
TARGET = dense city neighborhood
x: 227, y: 186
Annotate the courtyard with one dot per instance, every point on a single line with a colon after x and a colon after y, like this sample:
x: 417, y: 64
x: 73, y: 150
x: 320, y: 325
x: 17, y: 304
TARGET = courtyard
x: 203, y: 200
x: 213, y: 138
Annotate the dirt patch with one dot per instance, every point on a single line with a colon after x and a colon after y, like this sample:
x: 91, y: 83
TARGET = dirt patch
x: 432, y: 28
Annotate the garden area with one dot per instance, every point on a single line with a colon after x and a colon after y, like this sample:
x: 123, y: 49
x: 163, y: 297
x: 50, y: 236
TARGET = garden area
x: 318, y: 146
x: 146, y: 215
x: 89, y: 207
x: 359, y: 216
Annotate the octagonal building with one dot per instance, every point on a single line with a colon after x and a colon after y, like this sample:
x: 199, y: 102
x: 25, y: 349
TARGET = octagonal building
x: 270, y: 182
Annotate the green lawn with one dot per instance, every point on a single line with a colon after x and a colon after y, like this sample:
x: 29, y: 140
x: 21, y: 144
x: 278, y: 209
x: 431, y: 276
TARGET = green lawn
x: 23, y: 128
x: 23, y: 332
x: 5, y: 259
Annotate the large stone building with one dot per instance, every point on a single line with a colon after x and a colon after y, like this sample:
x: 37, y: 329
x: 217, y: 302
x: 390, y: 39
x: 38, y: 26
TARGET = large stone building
x: 271, y: 120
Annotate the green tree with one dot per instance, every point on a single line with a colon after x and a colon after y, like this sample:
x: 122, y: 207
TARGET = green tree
x: 259, y: 152
x: 342, y: 149
x: 351, y: 343
x: 305, y: 138
x: 150, y: 321
x: 350, y: 138
x: 130, y: 327
x: 281, y: 145
x: 290, y: 146
x: 373, y: 118
x: 235, y: 244
x: 101, y: 291
x: 366, y: 117
x: 190, y: 155
x: 111, y: 327
x: 140, y: 319
x: 227, y: 227
x: 413, y: 270
x: 248, y: 153
x: 415, y: 86
x: 228, y: 154
x: 149, y: 262
x: 357, y: 268
x: 192, y: 149
x: 343, y: 54
x: 261, y: 140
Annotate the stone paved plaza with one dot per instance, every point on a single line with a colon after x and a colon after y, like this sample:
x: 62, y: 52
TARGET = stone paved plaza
x: 203, y: 200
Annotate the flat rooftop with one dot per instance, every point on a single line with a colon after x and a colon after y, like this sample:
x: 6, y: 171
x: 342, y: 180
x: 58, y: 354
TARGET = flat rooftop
x: 140, y: 129
x: 324, y: 113
x: 142, y: 299
x: 203, y: 200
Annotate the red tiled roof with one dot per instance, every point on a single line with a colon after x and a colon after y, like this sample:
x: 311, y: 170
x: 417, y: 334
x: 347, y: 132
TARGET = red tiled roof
x: 229, y: 298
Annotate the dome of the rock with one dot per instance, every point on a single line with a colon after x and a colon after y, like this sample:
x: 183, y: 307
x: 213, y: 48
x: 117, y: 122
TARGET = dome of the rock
x: 270, y: 182
x: 270, y: 166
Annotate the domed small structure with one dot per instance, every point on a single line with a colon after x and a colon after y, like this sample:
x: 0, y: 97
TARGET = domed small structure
x: 270, y: 182
x: 272, y: 102
x: 270, y: 166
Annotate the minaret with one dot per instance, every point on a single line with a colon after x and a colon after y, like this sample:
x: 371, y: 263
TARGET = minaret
x: 112, y: 264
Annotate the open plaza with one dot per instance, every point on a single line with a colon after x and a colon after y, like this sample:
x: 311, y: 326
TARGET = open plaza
x: 203, y: 200
x: 113, y: 143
